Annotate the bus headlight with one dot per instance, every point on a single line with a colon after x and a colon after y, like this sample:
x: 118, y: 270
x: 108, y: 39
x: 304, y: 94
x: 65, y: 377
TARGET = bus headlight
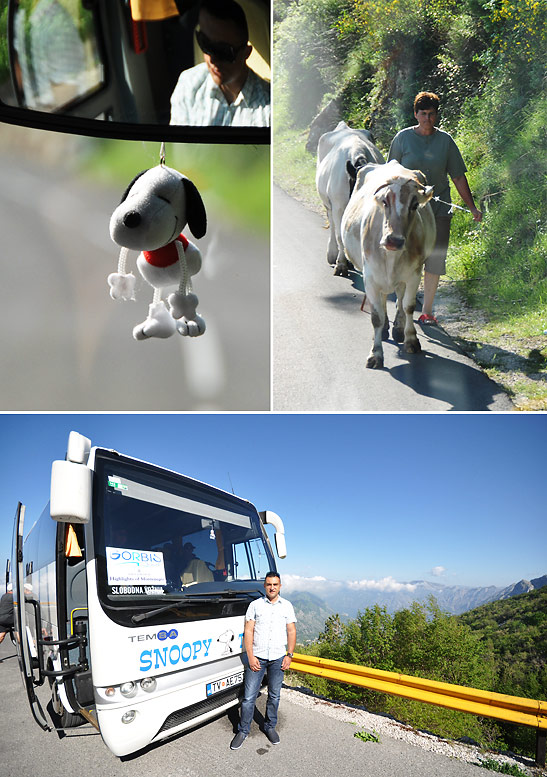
x: 129, y: 716
x: 128, y: 689
x: 148, y: 684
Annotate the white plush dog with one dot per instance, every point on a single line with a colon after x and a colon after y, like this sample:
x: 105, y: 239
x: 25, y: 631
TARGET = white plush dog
x: 155, y: 208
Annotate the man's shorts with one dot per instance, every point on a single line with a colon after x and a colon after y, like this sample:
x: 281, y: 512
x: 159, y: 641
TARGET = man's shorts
x: 436, y: 261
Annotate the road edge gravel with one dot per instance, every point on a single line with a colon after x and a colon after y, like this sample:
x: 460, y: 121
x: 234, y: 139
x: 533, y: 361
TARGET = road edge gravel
x: 389, y: 727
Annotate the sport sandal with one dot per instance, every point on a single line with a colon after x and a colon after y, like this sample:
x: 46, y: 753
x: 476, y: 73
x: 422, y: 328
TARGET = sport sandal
x: 426, y: 318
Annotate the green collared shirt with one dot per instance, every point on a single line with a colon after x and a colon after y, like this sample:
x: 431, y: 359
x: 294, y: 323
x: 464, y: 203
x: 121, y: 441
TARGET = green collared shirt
x: 436, y: 156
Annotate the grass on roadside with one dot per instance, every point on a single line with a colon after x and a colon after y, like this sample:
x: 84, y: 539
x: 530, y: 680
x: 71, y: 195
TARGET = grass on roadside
x: 502, y: 768
x: 367, y: 736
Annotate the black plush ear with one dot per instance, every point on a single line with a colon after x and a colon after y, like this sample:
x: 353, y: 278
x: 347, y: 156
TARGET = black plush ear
x: 126, y: 192
x: 195, y: 209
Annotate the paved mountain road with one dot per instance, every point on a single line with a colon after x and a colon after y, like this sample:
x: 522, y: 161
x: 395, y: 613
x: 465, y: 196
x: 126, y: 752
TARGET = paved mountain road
x: 312, y: 745
x: 321, y: 338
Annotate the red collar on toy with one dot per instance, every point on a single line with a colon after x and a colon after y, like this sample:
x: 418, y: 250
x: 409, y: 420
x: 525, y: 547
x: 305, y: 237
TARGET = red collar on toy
x: 166, y: 255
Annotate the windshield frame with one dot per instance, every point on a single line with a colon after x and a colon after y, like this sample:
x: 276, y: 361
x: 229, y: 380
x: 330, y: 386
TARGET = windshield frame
x: 224, y: 596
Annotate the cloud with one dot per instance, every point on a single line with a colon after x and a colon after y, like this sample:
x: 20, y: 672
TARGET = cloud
x: 386, y: 584
x: 438, y: 571
x: 312, y: 584
x: 318, y: 584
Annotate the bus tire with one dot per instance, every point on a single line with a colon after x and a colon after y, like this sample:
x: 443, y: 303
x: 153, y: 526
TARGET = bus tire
x: 66, y: 719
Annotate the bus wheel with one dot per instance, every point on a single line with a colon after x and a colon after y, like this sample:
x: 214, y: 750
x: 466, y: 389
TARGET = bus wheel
x: 66, y: 719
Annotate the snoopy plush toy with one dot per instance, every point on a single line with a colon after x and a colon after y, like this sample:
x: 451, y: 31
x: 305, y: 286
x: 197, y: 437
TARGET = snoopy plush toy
x: 155, y: 208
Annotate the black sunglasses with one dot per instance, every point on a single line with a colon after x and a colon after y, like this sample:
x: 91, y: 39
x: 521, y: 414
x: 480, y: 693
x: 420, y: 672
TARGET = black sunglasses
x: 218, y: 49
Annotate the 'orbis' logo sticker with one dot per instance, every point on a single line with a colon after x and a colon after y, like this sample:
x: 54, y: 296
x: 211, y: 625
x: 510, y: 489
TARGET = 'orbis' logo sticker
x: 127, y: 566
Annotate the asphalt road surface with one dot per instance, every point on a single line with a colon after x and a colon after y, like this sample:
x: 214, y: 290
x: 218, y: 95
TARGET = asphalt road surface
x: 321, y: 338
x: 311, y: 745
x: 66, y: 345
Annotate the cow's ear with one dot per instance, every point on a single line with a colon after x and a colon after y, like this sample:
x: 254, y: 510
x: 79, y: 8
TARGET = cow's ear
x: 421, y: 177
x: 425, y: 194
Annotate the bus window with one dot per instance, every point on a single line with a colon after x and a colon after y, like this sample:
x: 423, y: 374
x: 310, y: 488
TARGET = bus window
x: 250, y: 562
x: 55, y: 53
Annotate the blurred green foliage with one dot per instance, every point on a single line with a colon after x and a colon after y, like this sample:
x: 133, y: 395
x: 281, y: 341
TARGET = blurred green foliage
x: 4, y: 55
x: 233, y: 179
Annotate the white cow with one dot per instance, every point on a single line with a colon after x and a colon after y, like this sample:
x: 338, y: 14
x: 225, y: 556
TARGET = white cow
x: 334, y: 182
x: 388, y: 231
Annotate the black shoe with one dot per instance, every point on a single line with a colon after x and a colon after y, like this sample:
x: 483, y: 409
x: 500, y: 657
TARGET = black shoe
x: 272, y: 735
x: 238, y: 740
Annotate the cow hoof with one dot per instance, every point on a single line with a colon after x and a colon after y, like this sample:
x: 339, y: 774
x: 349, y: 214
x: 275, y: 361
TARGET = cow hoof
x: 375, y: 362
x: 342, y: 270
x: 398, y: 334
x: 413, y: 346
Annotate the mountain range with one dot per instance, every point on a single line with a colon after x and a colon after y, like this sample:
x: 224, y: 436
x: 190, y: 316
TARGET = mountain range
x: 324, y: 598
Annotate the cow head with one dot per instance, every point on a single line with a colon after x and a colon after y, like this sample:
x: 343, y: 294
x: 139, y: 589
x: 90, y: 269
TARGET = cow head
x: 399, y: 199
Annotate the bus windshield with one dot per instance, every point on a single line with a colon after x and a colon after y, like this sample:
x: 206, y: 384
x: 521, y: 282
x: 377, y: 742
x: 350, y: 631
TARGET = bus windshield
x: 161, y: 537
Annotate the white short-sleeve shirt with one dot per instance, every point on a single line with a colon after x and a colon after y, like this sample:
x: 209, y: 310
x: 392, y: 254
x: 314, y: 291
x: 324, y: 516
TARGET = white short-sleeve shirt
x: 198, y: 101
x: 270, y: 633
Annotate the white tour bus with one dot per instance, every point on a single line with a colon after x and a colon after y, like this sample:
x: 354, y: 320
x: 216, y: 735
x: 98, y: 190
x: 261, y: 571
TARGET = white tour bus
x: 134, y: 595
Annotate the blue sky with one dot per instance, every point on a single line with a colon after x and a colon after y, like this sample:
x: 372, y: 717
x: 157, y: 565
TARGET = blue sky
x: 455, y: 498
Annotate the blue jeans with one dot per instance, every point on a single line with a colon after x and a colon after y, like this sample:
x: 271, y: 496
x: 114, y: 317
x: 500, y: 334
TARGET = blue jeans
x: 253, y: 681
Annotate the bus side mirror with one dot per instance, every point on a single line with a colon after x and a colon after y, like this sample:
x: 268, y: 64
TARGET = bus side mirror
x: 280, y: 545
x: 70, y: 495
x: 267, y: 516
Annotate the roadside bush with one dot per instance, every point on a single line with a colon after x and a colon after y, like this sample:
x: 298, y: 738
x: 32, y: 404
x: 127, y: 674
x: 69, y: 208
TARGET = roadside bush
x: 421, y: 641
x: 508, y: 252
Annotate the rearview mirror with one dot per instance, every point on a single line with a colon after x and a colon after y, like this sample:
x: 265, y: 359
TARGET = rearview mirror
x: 268, y: 516
x: 109, y: 68
x: 70, y: 492
x: 71, y: 481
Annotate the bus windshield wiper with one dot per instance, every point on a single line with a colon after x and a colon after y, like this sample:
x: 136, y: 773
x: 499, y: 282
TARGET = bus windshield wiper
x: 205, y: 597
x: 226, y: 592
x: 145, y: 615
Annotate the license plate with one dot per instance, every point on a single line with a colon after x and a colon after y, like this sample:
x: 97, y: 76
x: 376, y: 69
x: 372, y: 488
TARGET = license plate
x: 226, y: 682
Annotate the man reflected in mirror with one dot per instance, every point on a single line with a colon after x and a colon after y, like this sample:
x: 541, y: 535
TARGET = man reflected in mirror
x: 222, y: 90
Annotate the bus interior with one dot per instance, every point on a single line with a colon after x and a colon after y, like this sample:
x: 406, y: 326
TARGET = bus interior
x: 117, y: 60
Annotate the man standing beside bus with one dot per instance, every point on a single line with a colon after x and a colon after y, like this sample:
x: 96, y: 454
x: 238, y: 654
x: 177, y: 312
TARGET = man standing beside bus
x: 269, y: 640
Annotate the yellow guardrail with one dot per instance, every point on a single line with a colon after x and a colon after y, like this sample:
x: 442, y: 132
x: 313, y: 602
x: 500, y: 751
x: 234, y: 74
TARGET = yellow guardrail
x: 512, y: 709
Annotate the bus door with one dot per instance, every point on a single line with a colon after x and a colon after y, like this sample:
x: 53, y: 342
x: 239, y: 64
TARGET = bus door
x: 26, y: 647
